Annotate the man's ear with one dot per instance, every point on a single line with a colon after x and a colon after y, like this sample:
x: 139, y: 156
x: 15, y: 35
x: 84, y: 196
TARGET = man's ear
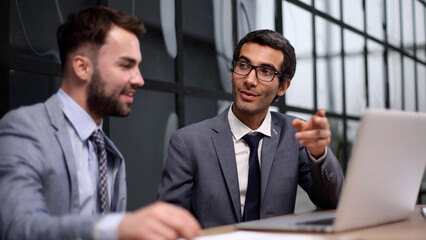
x: 82, y: 67
x: 283, y: 88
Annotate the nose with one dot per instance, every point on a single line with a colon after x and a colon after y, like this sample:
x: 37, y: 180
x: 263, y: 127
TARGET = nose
x: 251, y: 78
x: 137, y: 79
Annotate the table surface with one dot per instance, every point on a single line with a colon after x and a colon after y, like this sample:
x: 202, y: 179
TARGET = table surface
x: 412, y: 228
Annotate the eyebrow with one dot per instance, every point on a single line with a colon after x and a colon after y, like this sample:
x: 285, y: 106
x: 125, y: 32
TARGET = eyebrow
x: 128, y: 59
x: 242, y: 57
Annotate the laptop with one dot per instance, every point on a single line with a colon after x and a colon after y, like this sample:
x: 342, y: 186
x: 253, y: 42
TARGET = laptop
x: 382, y: 180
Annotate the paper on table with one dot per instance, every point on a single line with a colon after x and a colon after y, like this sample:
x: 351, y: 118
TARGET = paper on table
x: 251, y: 235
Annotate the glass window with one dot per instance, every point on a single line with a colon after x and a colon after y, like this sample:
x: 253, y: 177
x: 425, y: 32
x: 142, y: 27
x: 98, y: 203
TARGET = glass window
x: 329, y: 78
x: 328, y: 41
x: 376, y: 86
x: 22, y: 87
x: 127, y: 6
x: 308, y: 2
x: 351, y: 132
x: 375, y: 18
x: 421, y: 86
x: 336, y: 145
x: 331, y: 7
x: 420, y: 30
x: 329, y: 65
x: 200, y: 64
x: 298, y: 30
x: 353, y: 14
x: 409, y: 85
x: 265, y: 14
x: 354, y: 73
x: 143, y: 142
x: 158, y: 45
x: 223, y: 41
x: 395, y: 84
x: 393, y: 19
x: 407, y: 25
x: 254, y: 14
x: 199, y: 109
x: 300, y: 93
x: 33, y: 27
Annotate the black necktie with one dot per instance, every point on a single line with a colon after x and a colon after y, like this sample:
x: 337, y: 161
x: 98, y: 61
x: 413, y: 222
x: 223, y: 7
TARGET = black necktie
x: 252, y: 204
x: 98, y: 140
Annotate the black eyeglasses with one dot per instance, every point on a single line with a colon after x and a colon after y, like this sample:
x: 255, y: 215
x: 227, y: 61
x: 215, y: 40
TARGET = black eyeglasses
x: 263, y: 73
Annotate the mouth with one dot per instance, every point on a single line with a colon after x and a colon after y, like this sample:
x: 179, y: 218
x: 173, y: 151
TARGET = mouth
x: 248, y: 95
x: 128, y: 94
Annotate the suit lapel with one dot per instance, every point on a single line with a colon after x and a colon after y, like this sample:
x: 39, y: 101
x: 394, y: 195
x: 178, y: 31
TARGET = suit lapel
x: 269, y: 149
x: 57, y: 119
x: 224, y: 147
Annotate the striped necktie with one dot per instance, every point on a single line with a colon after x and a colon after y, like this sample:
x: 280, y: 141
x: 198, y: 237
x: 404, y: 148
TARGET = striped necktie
x: 98, y: 139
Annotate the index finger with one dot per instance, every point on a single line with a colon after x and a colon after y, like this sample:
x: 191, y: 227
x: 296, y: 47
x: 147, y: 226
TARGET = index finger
x: 319, y: 120
x: 320, y: 113
x: 298, y: 124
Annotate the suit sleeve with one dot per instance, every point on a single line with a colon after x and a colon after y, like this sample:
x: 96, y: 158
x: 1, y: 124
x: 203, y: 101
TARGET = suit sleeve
x: 24, y: 211
x: 178, y: 174
x: 322, y: 180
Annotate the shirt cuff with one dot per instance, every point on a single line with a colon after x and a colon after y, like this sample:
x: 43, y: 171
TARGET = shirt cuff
x: 106, y: 227
x: 319, y: 159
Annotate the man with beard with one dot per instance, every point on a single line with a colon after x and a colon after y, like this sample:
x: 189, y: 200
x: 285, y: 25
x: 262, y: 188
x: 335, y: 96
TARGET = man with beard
x: 60, y: 176
x: 246, y: 163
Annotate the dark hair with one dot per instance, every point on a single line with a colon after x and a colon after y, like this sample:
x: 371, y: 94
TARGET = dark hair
x: 91, y: 26
x: 274, y: 40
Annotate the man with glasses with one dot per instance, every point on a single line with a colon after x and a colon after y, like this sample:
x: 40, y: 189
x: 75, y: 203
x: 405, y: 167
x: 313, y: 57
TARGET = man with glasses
x: 246, y: 163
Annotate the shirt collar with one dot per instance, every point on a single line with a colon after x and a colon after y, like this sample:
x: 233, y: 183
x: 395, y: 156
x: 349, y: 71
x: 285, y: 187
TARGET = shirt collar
x: 239, y: 129
x: 81, y: 121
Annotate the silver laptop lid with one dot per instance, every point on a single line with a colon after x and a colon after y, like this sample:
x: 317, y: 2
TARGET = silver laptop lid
x: 385, y: 171
x: 383, y: 178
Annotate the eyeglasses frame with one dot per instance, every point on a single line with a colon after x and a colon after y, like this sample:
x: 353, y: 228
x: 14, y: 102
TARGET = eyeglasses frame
x: 255, y: 69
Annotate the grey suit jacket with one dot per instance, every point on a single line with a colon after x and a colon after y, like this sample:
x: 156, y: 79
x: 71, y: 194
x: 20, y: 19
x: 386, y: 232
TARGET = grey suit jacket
x: 201, y: 174
x: 39, y: 197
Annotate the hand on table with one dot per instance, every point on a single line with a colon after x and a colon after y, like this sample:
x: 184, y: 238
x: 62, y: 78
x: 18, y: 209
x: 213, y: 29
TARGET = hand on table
x: 159, y: 221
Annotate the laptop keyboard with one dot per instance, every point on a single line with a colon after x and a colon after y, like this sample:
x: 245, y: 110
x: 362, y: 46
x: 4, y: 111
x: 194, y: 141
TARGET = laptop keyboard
x: 325, y: 221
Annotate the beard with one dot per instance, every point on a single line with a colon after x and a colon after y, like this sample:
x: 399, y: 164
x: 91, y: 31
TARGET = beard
x: 100, y: 103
